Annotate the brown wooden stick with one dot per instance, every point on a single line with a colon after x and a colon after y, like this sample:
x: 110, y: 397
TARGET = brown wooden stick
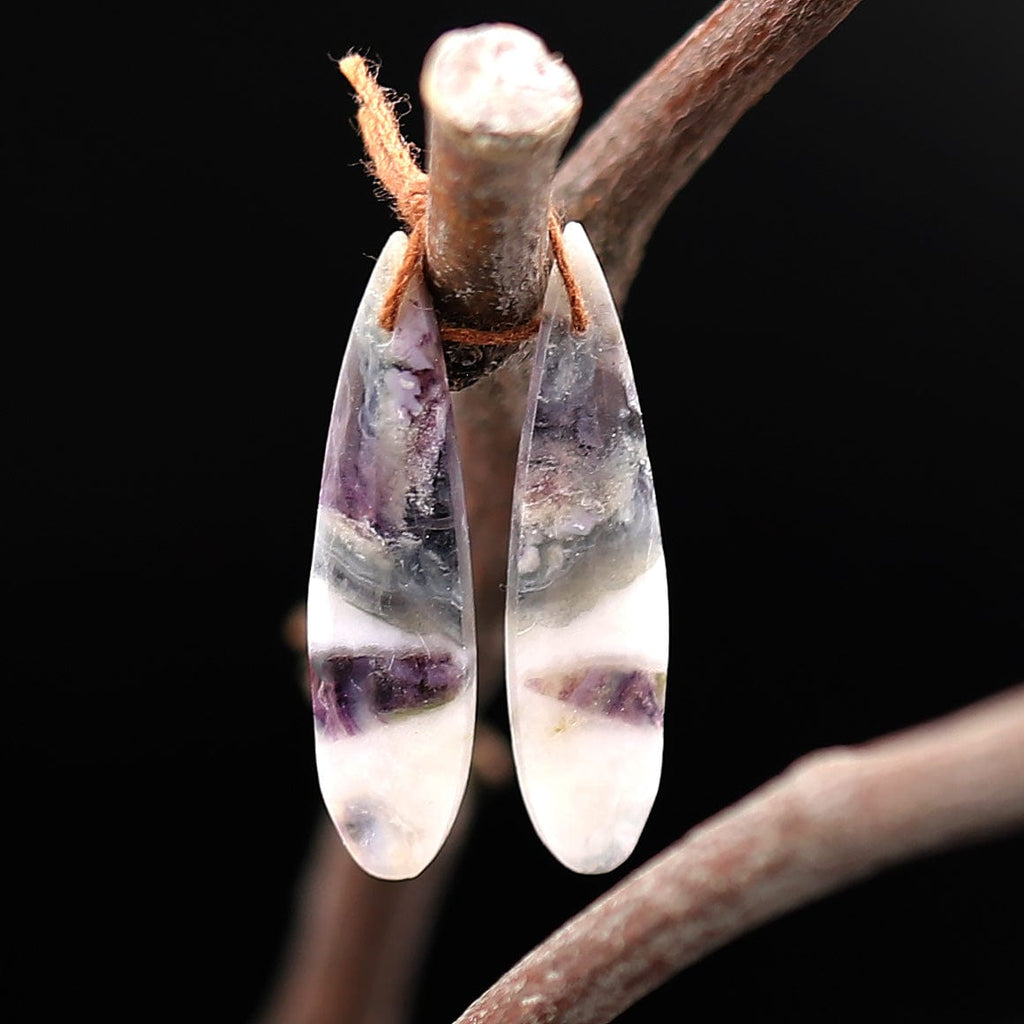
x: 835, y: 817
x: 621, y: 177
x: 488, y: 420
x: 355, y: 957
x: 499, y: 112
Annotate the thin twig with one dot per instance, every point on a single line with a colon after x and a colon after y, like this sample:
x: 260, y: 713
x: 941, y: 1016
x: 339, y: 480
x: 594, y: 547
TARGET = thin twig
x: 353, y: 930
x: 621, y: 177
x: 835, y: 817
x: 499, y: 112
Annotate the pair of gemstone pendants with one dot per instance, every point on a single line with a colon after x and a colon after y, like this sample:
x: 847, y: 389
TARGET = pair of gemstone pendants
x: 391, y: 637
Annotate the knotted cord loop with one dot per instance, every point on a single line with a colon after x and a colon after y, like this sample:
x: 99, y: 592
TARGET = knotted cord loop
x: 393, y: 162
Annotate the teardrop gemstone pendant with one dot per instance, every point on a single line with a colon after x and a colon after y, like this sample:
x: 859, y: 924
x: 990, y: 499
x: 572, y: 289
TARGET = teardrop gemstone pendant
x: 587, y: 624
x: 392, y: 647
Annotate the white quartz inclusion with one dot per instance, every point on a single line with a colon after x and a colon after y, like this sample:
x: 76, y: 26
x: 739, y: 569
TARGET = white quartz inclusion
x: 393, y: 790
x: 630, y: 624
x: 587, y: 625
x: 588, y: 779
x: 388, y: 792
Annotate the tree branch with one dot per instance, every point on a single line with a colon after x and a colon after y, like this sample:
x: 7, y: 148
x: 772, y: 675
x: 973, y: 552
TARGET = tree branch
x: 623, y: 175
x: 499, y: 112
x: 353, y: 959
x: 834, y: 818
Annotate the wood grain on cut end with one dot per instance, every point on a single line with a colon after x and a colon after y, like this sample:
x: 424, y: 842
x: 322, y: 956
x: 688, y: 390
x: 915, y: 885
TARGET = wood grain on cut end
x: 498, y: 86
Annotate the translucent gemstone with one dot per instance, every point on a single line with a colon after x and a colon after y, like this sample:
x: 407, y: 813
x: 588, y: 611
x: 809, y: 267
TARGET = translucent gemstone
x: 587, y: 613
x: 390, y: 616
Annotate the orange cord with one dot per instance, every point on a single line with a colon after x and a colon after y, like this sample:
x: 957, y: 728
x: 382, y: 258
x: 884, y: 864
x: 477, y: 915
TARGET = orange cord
x: 393, y: 163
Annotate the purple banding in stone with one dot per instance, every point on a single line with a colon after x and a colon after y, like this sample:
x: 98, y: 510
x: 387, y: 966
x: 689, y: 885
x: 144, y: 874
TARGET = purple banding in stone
x: 592, y: 411
x: 390, y: 498
x: 391, y: 438
x: 631, y: 695
x: 349, y: 691
x: 588, y: 507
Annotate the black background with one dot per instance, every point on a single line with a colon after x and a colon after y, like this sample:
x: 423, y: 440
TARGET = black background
x: 826, y: 339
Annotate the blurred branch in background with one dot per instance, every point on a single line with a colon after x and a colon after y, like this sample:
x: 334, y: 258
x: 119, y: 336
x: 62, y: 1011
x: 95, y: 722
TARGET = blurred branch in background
x: 835, y: 817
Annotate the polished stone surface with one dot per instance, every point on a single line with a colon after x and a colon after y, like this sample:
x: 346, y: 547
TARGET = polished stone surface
x: 389, y: 613
x: 587, y: 612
